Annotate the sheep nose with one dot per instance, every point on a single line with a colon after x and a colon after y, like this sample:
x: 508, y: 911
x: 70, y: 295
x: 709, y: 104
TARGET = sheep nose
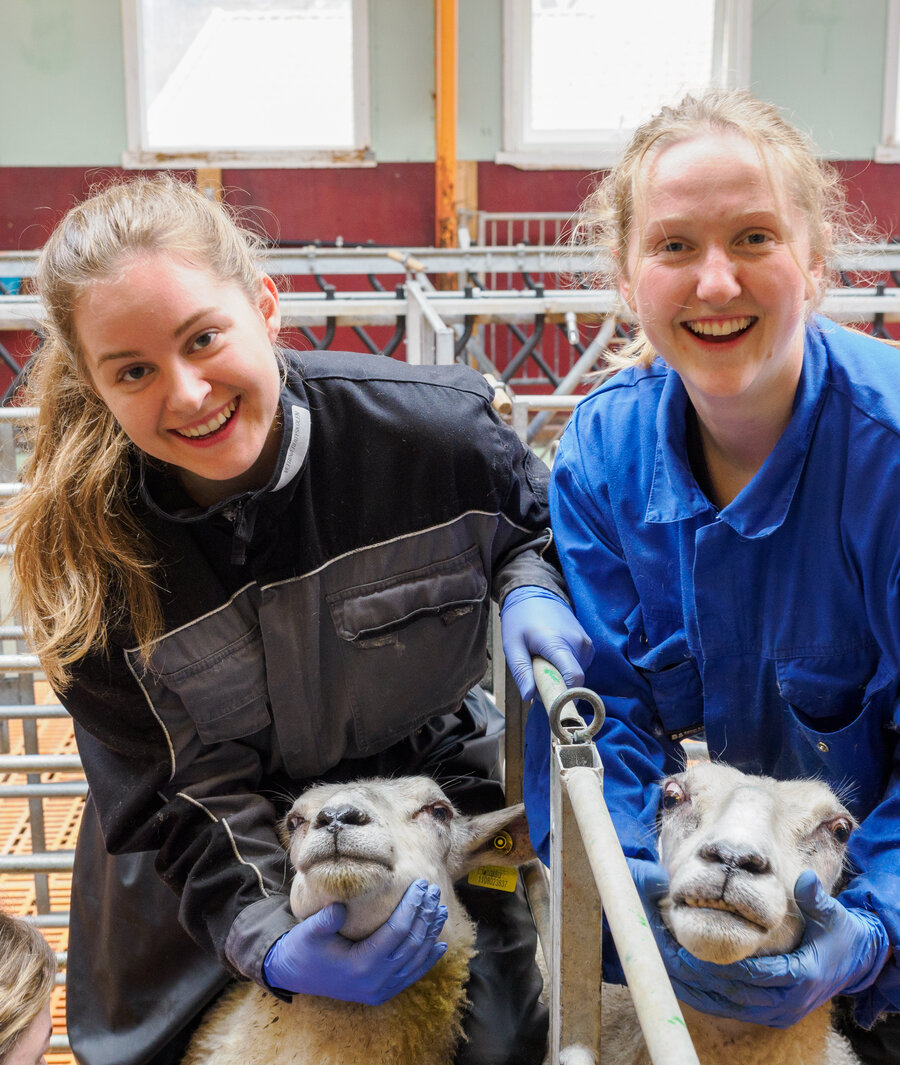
x: 736, y: 858
x: 333, y: 819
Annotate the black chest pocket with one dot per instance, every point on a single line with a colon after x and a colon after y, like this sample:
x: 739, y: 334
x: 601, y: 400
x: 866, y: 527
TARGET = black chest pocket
x: 214, y: 671
x: 411, y: 645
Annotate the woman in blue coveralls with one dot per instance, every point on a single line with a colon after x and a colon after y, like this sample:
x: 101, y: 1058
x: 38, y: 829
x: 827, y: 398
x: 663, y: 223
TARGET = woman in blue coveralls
x: 725, y: 506
x: 246, y: 569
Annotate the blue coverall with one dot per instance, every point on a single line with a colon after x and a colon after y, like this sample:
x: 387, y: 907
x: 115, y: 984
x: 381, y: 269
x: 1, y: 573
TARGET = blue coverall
x: 773, y: 624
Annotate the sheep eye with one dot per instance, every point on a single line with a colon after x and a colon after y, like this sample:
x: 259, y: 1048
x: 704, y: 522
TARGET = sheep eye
x: 672, y: 796
x: 293, y: 822
x: 840, y: 829
x: 440, y: 811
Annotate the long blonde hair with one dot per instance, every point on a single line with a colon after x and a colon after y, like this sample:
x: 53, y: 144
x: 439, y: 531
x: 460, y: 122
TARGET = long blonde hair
x: 82, y: 564
x: 27, y: 971
x: 606, y: 220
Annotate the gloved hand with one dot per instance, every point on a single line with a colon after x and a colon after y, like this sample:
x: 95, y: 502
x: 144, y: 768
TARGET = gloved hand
x: 537, y: 622
x: 651, y: 881
x: 842, y: 950
x: 314, y: 959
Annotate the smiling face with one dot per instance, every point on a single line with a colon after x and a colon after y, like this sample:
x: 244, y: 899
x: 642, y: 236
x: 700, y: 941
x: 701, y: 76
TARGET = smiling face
x: 185, y: 363
x: 719, y: 270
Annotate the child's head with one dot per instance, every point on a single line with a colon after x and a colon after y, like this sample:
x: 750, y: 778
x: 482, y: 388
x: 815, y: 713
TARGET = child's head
x: 804, y: 188
x: 27, y: 972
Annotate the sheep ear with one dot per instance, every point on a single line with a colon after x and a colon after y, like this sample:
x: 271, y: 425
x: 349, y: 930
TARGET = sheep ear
x: 496, y: 838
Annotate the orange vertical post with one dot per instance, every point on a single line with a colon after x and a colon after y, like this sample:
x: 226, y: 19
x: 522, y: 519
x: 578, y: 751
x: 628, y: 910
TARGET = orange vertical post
x: 445, y: 94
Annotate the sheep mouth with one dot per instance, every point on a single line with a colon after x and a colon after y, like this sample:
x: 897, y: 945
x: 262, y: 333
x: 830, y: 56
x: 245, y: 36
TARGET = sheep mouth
x: 339, y: 862
x: 742, y: 913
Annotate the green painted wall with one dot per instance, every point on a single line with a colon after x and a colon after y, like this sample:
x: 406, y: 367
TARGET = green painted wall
x: 62, y: 81
x: 823, y: 62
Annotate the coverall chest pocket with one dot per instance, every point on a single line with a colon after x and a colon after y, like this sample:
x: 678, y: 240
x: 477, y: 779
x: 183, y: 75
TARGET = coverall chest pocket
x: 666, y: 664
x: 843, y: 707
x: 214, y: 671
x: 411, y: 645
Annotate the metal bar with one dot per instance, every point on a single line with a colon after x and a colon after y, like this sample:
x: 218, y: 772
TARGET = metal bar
x: 36, y: 814
x: 576, y: 771
x: 484, y: 256
x: 372, y: 309
x: 574, y: 960
x: 18, y: 414
x: 429, y: 339
x: 17, y: 663
x: 40, y: 763
x: 662, y: 1023
x: 575, y: 376
x: 48, y: 862
x: 11, y: 713
x: 58, y: 789
x: 58, y: 919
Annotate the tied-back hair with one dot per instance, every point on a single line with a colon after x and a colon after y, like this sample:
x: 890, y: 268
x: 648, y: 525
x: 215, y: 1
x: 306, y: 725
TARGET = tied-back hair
x: 27, y: 972
x: 82, y: 564
x: 607, y: 219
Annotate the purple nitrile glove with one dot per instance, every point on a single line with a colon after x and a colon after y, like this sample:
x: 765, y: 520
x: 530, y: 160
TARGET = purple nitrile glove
x: 313, y: 958
x: 842, y: 950
x: 534, y: 621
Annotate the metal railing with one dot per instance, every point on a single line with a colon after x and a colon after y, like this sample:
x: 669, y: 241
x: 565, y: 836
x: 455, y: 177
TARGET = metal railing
x: 515, y: 312
x: 440, y: 326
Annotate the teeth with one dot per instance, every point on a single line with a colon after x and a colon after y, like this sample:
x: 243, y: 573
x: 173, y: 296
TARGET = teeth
x: 204, y: 430
x: 719, y: 329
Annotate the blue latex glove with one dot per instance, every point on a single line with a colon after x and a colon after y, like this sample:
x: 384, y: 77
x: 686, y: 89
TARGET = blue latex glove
x: 537, y: 622
x: 842, y: 950
x: 314, y: 959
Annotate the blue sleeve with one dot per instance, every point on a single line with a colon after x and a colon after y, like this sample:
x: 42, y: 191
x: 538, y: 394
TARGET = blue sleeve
x: 633, y: 746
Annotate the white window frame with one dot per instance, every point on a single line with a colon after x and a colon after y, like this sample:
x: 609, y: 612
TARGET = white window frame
x: 889, y: 149
x: 525, y: 149
x: 138, y: 155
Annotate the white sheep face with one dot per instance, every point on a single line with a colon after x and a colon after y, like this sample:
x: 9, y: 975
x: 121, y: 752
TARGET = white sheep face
x: 364, y: 843
x: 733, y: 846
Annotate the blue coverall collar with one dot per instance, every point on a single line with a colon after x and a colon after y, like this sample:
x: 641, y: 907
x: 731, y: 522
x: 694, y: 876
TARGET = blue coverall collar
x: 763, y: 505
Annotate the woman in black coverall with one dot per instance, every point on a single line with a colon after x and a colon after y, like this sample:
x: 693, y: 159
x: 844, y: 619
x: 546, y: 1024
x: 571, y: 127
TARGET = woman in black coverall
x: 246, y: 569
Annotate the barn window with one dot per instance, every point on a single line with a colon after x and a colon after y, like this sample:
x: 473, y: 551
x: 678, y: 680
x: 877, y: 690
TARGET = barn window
x: 580, y: 75
x: 236, y: 82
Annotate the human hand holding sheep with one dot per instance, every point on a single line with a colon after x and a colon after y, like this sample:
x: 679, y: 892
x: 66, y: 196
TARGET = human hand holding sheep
x: 313, y: 958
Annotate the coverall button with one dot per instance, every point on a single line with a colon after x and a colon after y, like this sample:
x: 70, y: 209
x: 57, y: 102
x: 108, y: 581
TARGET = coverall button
x: 823, y: 746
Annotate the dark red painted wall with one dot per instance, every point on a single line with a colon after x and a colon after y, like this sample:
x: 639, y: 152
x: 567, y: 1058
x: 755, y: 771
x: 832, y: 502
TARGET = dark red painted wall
x: 390, y: 204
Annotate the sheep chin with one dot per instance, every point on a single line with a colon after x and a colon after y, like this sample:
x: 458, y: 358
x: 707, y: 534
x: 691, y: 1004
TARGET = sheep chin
x: 716, y: 935
x: 338, y: 881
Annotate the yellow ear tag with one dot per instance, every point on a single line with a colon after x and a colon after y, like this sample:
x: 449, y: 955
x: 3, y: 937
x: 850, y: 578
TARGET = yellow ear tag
x: 498, y: 877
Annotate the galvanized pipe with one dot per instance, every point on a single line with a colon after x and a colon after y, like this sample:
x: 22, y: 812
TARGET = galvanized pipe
x: 662, y: 1024
x: 11, y: 713
x: 19, y: 663
x: 60, y: 789
x: 40, y: 763
x: 45, y: 862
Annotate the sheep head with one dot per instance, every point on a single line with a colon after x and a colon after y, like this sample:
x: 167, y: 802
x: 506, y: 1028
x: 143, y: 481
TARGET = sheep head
x: 734, y: 845
x: 364, y: 843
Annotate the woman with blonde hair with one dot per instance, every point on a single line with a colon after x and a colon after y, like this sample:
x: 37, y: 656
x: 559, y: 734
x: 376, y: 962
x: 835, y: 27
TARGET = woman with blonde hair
x: 245, y: 569
x: 27, y: 975
x: 725, y: 508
